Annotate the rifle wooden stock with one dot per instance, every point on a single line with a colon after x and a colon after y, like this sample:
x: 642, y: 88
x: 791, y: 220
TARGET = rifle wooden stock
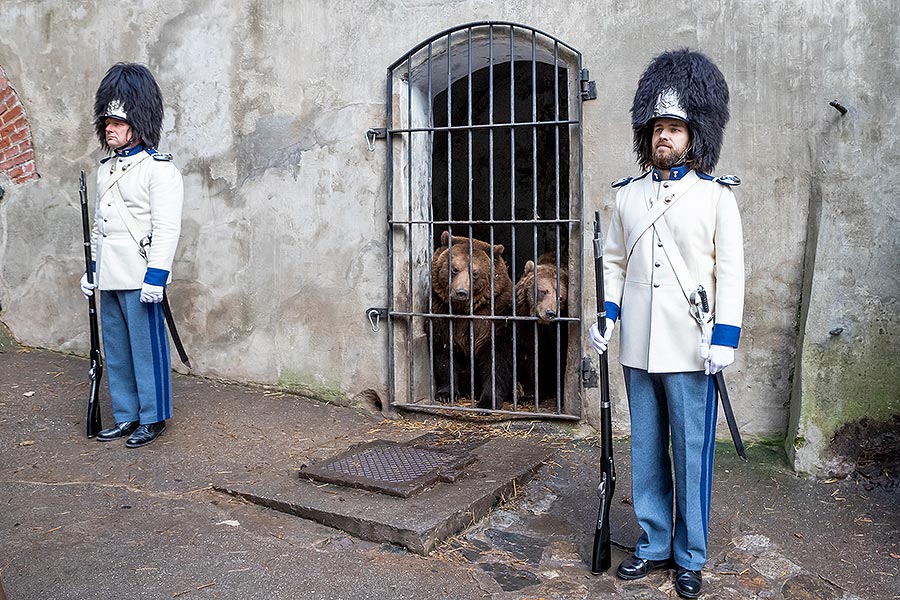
x: 601, y: 556
x: 94, y: 422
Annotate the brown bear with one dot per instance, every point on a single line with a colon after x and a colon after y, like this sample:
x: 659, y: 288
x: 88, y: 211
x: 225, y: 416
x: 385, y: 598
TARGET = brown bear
x: 536, y: 296
x: 456, y: 291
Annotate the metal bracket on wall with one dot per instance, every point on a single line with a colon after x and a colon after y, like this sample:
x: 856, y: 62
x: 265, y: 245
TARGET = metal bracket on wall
x: 838, y: 107
x: 588, y: 87
x: 375, y: 314
x: 375, y: 133
x: 589, y: 373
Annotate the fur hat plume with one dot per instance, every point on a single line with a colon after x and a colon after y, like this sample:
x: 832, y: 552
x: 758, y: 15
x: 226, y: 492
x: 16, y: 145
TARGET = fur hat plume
x: 682, y: 84
x: 129, y: 93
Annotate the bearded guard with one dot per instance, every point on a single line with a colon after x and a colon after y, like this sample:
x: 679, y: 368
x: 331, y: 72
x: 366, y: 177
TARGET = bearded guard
x: 674, y: 229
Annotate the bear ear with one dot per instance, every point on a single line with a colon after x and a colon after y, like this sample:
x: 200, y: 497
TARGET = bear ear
x: 445, y: 237
x: 529, y: 267
x: 498, y: 250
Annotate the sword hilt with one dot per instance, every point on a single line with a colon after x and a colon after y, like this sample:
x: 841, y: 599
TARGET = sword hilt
x: 703, y: 300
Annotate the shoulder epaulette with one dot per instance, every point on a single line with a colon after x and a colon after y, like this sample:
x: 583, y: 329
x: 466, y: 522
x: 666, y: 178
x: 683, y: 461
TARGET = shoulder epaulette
x: 159, y: 155
x: 105, y: 160
x: 729, y: 180
x: 626, y: 180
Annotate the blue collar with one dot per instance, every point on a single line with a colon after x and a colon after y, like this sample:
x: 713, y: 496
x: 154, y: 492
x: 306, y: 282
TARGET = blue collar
x: 675, y: 173
x: 131, y: 151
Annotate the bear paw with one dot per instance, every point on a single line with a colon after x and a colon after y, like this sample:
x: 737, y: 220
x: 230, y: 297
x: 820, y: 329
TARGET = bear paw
x: 443, y: 395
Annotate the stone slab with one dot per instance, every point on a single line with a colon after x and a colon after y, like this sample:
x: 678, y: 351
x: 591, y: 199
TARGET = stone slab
x: 502, y: 466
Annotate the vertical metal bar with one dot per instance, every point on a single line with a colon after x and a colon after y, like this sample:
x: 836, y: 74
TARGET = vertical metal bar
x: 389, y: 92
x: 451, y: 346
x: 469, y: 182
x: 534, y: 207
x: 430, y: 226
x: 512, y: 202
x: 556, y: 157
x: 498, y: 403
x: 579, y: 210
x: 409, y: 228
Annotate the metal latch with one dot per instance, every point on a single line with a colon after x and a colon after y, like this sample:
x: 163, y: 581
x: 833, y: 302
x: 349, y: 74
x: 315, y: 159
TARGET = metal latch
x: 588, y: 373
x: 375, y: 133
x: 588, y: 87
x: 375, y: 314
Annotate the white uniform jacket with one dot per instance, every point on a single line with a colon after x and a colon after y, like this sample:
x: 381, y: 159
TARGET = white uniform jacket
x: 658, y: 333
x: 153, y: 190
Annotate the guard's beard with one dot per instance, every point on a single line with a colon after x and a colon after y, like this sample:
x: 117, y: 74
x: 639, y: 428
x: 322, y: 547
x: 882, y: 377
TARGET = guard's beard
x: 666, y: 158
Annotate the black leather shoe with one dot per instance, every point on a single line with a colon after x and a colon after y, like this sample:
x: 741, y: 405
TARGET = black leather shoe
x: 688, y: 583
x: 635, y: 567
x: 120, y: 430
x: 145, y: 434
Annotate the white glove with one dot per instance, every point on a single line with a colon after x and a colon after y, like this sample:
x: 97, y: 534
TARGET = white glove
x: 719, y: 358
x: 152, y: 293
x: 87, y: 288
x: 598, y: 340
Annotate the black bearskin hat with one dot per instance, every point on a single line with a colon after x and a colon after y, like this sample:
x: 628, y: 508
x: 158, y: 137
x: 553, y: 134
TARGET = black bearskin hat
x: 686, y: 85
x: 129, y: 93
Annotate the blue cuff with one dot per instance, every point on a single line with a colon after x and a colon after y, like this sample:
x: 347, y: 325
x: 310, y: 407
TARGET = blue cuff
x: 726, y: 335
x: 94, y: 266
x: 156, y: 276
x: 612, y: 311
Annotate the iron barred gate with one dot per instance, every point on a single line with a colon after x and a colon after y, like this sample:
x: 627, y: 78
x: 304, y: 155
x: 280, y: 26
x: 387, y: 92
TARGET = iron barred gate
x: 484, y: 204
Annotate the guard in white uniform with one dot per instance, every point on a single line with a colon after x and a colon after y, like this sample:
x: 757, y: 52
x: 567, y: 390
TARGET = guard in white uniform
x: 673, y: 229
x: 137, y: 223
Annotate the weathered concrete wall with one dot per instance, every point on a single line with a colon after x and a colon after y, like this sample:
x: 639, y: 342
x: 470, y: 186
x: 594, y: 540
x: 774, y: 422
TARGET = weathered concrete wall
x: 847, y: 362
x: 284, y: 223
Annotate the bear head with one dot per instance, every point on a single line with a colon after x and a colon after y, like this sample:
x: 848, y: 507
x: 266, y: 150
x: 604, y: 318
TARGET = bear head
x: 541, y: 301
x: 453, y: 282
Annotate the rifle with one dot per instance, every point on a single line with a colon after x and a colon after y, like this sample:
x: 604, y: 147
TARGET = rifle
x: 94, y: 424
x: 601, y: 558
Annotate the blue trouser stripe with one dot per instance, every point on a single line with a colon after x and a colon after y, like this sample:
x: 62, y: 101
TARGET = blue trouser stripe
x: 153, y: 320
x: 709, y: 450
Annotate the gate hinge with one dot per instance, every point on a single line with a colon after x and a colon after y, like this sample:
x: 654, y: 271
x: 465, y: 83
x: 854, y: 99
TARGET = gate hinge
x: 588, y: 373
x: 588, y: 87
x: 375, y: 133
x: 375, y: 314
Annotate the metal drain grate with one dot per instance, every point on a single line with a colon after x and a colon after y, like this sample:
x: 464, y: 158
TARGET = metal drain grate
x: 388, y: 467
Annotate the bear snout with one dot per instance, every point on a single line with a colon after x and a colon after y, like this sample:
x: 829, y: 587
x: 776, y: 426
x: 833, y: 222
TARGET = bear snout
x: 549, y: 315
x: 461, y: 293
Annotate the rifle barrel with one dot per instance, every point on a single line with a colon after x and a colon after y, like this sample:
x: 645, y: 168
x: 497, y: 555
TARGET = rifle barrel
x: 94, y: 420
x: 601, y: 558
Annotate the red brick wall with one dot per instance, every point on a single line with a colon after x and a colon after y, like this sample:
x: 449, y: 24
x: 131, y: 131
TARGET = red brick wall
x: 16, y: 151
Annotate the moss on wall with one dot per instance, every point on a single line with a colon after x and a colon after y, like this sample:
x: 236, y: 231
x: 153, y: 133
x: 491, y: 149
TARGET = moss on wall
x: 306, y: 385
x: 7, y: 341
x: 849, y: 377
x: 854, y: 379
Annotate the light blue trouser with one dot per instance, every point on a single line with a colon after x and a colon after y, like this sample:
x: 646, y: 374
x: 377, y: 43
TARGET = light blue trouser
x: 680, y: 406
x: 136, y: 348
